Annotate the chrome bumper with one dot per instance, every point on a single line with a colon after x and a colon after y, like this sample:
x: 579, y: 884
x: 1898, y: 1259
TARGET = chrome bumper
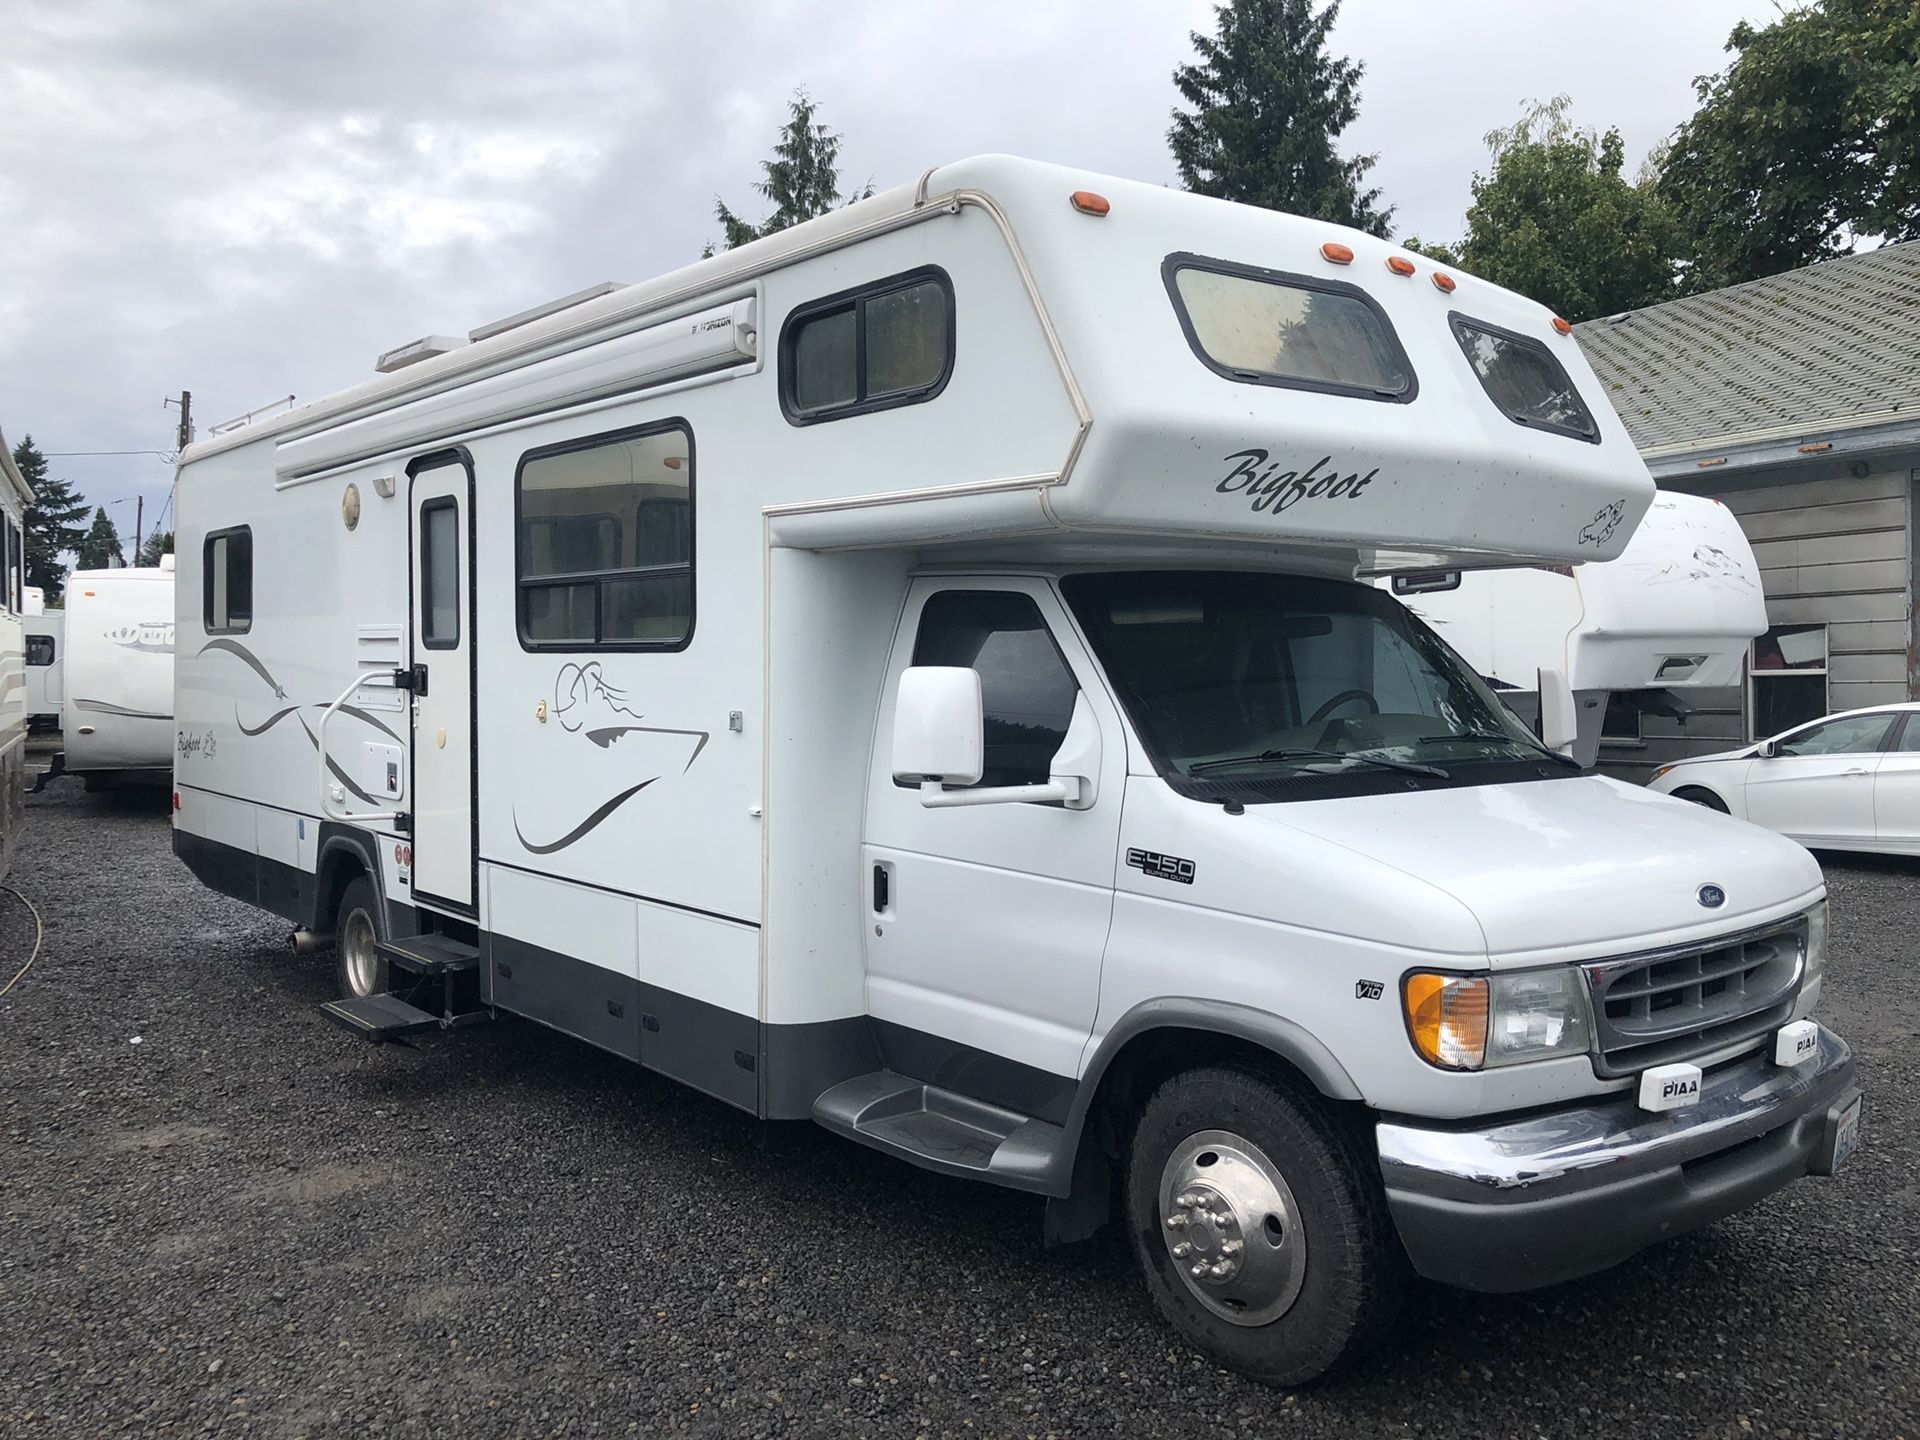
x: 1566, y: 1192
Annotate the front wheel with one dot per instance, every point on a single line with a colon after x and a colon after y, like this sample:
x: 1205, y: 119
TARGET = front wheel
x: 1701, y: 797
x: 1260, y: 1224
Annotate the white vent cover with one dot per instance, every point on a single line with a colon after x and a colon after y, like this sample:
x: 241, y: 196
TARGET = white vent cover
x: 414, y: 351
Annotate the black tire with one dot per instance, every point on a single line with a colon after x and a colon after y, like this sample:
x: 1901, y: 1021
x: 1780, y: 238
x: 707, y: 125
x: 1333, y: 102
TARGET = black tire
x: 1354, y: 1268
x: 359, y: 905
x: 1699, y: 796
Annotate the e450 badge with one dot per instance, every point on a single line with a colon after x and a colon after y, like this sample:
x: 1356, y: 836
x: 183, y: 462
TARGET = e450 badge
x: 1156, y: 866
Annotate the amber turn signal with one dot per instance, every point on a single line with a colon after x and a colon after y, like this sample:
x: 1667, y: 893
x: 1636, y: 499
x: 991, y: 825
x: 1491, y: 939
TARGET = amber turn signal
x: 1088, y: 203
x: 1447, y: 1018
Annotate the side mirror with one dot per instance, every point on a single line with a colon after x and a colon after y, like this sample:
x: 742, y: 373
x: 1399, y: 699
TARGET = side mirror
x: 1559, y: 721
x: 1768, y: 749
x: 938, y: 729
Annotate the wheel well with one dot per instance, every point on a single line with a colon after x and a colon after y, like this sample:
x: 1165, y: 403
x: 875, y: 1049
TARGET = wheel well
x: 1681, y: 792
x: 339, y: 867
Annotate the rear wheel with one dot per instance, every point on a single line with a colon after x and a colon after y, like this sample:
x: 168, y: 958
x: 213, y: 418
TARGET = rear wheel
x: 1701, y: 797
x: 1260, y: 1224
x: 357, y: 931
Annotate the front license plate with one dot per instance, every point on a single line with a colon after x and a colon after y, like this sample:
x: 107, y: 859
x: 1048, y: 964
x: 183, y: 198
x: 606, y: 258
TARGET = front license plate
x: 1846, y: 1135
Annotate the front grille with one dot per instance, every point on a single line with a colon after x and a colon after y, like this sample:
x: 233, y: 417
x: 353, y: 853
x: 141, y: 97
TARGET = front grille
x: 1676, y: 1004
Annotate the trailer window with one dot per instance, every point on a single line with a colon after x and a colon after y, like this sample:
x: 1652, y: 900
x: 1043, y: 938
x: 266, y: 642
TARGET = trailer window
x: 227, y: 582
x: 885, y: 344
x: 440, y: 574
x: 1523, y: 378
x: 1269, y: 327
x: 605, y: 541
x: 40, y: 650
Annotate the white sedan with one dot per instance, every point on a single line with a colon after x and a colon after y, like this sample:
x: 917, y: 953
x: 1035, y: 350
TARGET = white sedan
x: 1848, y: 782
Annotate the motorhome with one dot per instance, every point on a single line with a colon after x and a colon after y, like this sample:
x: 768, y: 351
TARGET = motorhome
x: 45, y: 632
x: 117, y: 677
x: 15, y: 496
x: 1674, y: 614
x: 910, y: 672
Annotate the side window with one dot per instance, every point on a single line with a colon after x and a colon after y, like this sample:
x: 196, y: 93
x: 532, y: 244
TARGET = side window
x: 440, y: 574
x: 605, y: 542
x: 227, y: 582
x: 12, y: 566
x: 40, y: 650
x: 886, y: 344
x: 1857, y: 734
x: 1026, y: 688
x: 1523, y: 378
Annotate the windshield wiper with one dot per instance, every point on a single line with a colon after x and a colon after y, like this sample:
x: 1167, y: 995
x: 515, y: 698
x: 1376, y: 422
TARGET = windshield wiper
x: 1408, y: 766
x: 1494, y: 737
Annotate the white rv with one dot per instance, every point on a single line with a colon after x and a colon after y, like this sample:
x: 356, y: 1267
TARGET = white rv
x: 910, y: 672
x: 45, y: 632
x: 117, y: 677
x: 1674, y: 613
x: 15, y: 496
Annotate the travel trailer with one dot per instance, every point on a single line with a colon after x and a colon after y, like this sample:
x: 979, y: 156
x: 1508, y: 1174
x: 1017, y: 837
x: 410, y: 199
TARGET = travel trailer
x: 45, y: 632
x: 910, y: 672
x: 117, y: 706
x: 15, y: 496
x: 1676, y: 612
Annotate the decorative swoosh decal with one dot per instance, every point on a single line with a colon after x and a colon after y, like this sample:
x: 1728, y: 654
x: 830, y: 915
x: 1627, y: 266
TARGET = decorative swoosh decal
x: 234, y: 647
x: 583, y: 827
x: 261, y: 729
x: 607, y: 734
x: 108, y: 708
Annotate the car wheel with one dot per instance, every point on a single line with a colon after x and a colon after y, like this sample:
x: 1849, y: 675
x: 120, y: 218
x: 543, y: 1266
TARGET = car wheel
x: 357, y: 932
x: 1701, y: 797
x: 1259, y: 1221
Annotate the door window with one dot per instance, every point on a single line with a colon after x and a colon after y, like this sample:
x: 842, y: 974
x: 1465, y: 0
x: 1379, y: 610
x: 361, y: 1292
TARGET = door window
x: 1854, y: 735
x: 1026, y: 690
x: 440, y: 574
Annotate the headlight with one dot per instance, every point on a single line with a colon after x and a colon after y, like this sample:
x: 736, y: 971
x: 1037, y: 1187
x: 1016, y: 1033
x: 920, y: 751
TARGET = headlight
x: 1816, y: 944
x: 1463, y: 1022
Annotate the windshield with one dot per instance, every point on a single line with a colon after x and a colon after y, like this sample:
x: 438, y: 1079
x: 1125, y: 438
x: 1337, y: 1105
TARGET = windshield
x: 1247, y: 676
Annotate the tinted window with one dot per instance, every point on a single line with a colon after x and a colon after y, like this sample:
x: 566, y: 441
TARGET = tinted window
x: 1268, y: 327
x: 1523, y: 378
x: 887, y: 344
x: 606, y: 542
x: 440, y: 574
x: 40, y: 649
x: 1856, y: 734
x: 227, y: 582
x: 1026, y: 690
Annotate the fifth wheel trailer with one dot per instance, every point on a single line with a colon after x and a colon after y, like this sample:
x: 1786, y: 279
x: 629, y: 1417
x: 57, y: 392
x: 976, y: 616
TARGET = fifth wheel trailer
x: 117, y: 677
x: 45, y: 640
x: 909, y: 672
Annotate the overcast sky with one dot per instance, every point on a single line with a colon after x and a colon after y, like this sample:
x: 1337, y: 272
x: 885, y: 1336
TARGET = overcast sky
x: 254, y: 199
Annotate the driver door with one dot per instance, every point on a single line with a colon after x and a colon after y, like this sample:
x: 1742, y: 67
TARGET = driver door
x: 1818, y: 785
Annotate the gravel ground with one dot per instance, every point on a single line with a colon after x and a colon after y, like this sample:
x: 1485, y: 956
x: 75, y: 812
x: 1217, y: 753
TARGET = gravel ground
x: 248, y: 1223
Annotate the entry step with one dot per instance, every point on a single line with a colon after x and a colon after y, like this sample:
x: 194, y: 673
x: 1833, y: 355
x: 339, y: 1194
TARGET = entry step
x: 430, y: 954
x: 379, y: 1017
x: 939, y: 1130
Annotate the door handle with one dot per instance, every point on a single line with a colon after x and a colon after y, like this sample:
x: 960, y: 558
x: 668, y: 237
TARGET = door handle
x: 1853, y: 772
x: 881, y: 889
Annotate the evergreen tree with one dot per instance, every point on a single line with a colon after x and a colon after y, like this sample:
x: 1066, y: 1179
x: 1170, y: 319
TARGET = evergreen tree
x: 101, y: 548
x: 159, y: 543
x: 1268, y: 103
x: 52, y: 521
x: 802, y: 178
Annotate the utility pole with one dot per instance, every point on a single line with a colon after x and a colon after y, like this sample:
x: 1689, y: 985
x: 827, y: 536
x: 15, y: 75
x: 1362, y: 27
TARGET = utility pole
x: 139, y: 519
x: 186, y: 419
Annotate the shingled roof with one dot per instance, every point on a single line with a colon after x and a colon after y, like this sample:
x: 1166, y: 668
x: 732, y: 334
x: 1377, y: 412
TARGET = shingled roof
x: 1830, y: 347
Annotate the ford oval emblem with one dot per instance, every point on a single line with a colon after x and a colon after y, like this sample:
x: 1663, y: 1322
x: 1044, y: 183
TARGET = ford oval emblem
x: 1712, y: 896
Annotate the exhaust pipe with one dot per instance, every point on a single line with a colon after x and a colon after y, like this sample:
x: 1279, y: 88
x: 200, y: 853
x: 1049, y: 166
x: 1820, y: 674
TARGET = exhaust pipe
x: 307, y: 942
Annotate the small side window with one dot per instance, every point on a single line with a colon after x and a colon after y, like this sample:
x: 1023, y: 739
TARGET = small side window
x: 1524, y: 379
x: 1026, y: 689
x: 885, y: 344
x: 227, y: 582
x: 40, y: 650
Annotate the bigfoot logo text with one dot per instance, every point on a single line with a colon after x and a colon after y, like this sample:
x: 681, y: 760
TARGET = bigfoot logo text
x: 1268, y: 487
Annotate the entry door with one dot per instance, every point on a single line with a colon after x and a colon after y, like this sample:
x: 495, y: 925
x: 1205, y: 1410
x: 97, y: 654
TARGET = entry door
x: 443, y: 686
x: 1819, y: 786
x: 986, y: 924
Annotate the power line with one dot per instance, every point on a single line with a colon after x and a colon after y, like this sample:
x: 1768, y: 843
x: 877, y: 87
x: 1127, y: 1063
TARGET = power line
x: 167, y: 455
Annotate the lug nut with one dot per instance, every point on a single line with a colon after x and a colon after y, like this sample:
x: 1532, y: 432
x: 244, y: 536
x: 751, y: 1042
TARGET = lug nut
x: 1220, y: 1268
x: 1182, y: 1250
x: 1176, y: 1222
x: 1231, y: 1247
x: 1198, y: 1270
x: 1187, y: 1201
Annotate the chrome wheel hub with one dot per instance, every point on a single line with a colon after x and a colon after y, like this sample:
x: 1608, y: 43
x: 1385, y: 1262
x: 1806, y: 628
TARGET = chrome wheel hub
x: 1232, y: 1227
x: 356, y: 944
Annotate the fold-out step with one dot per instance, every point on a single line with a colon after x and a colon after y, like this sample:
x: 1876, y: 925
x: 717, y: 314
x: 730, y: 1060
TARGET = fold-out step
x: 429, y: 954
x: 378, y: 1017
x: 939, y: 1130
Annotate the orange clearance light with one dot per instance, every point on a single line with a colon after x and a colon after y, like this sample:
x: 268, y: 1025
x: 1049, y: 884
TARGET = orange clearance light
x: 1088, y: 203
x: 1565, y: 327
x: 1399, y: 265
x: 1443, y: 282
x: 1336, y: 252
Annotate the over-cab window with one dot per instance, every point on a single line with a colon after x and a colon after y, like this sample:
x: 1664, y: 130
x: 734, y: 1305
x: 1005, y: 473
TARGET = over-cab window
x: 1304, y: 332
x: 885, y: 344
x: 1026, y: 690
x: 605, y: 541
x: 226, y: 566
x: 1524, y: 379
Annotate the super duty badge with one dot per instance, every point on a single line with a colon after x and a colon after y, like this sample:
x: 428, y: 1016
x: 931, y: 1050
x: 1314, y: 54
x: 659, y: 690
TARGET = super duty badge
x: 1156, y: 866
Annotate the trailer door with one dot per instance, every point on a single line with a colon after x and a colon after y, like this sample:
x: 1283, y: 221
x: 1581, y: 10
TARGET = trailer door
x: 443, y: 773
